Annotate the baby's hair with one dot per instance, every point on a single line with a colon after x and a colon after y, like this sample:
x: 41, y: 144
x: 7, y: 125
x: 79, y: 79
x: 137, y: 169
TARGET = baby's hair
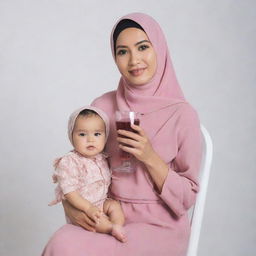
x: 88, y: 112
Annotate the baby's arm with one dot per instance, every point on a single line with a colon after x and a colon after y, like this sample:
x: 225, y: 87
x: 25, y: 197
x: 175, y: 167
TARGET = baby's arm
x: 84, y: 205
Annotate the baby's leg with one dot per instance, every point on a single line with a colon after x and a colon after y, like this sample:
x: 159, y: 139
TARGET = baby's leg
x: 113, y: 210
x: 104, y: 225
x: 115, y: 213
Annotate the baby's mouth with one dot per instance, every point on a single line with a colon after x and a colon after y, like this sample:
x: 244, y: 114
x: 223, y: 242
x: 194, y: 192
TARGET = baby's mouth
x: 90, y: 147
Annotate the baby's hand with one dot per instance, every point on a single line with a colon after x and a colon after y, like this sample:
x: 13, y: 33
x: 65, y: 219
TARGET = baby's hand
x: 94, y: 213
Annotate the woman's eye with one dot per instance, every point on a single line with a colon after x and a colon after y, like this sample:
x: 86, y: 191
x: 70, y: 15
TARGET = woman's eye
x: 82, y: 134
x: 143, y: 47
x: 121, y: 52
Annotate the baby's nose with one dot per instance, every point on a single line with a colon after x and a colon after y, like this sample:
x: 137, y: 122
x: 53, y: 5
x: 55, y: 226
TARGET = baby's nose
x: 90, y: 138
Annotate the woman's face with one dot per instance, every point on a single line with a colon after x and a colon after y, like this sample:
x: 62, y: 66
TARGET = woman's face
x: 135, y: 56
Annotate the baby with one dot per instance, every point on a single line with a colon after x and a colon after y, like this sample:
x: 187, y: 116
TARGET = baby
x: 83, y: 175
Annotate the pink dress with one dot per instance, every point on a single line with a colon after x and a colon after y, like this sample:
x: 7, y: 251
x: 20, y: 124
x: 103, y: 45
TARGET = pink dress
x: 89, y: 176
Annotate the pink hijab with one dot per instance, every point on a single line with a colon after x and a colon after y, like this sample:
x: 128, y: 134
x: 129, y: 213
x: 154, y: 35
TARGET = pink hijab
x: 163, y: 90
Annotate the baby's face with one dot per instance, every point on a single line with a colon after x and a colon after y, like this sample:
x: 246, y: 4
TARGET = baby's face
x: 89, y: 135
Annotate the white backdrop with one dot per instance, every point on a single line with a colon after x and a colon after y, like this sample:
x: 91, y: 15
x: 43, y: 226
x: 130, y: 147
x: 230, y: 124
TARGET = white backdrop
x: 55, y: 57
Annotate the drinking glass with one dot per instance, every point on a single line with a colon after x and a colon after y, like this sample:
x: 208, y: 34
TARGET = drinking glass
x: 124, y: 120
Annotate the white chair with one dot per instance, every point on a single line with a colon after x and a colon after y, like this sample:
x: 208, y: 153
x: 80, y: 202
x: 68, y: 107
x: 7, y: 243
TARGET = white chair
x: 198, y: 210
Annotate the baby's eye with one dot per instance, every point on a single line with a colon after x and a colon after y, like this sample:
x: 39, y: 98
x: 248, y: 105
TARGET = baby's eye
x: 121, y: 52
x: 97, y: 134
x: 82, y: 134
x: 143, y: 47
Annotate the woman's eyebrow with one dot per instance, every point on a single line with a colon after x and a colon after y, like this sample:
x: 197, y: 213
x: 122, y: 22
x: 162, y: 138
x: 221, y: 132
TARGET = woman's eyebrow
x: 121, y: 46
x: 140, y: 42
x: 143, y: 41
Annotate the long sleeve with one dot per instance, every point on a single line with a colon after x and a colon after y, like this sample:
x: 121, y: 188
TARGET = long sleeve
x: 181, y: 184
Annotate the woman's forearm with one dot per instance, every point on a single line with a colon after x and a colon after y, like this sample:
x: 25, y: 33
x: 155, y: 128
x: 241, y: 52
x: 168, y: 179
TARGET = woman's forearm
x: 158, y: 170
x: 78, y: 217
x: 77, y: 201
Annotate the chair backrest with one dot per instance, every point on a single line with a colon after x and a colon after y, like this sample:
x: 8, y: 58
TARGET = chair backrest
x: 198, y: 209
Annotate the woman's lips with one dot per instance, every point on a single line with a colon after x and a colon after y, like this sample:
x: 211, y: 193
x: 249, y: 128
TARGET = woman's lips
x: 137, y: 71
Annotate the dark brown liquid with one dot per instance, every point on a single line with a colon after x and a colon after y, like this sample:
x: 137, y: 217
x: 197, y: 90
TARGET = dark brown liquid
x: 126, y: 125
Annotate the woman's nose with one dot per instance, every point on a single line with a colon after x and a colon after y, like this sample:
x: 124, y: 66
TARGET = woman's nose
x: 134, y: 59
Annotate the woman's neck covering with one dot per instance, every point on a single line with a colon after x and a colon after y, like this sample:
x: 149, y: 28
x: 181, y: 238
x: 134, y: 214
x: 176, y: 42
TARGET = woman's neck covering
x: 74, y: 115
x: 163, y: 90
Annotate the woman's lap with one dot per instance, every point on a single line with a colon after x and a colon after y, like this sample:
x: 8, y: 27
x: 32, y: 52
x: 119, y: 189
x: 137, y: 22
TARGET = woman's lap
x: 150, y: 240
x: 76, y: 241
x: 142, y: 239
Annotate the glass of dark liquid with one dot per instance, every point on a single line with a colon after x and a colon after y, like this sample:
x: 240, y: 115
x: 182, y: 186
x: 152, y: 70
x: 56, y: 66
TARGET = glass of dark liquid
x: 124, y: 120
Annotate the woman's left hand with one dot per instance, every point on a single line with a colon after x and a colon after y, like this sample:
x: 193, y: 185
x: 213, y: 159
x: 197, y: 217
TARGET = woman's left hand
x: 138, y: 143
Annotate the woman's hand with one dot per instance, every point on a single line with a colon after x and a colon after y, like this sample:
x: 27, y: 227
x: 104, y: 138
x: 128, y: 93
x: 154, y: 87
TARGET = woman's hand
x: 94, y: 213
x: 140, y: 146
x: 138, y: 143
x: 77, y: 217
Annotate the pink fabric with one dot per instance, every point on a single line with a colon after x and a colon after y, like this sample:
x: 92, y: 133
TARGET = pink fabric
x: 88, y: 176
x: 163, y: 90
x: 156, y: 224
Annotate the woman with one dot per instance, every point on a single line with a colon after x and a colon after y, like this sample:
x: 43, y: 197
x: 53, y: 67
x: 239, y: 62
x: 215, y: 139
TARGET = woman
x: 155, y: 197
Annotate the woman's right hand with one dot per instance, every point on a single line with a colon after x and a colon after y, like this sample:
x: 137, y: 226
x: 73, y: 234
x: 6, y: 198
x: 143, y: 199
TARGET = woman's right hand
x: 94, y: 213
x: 77, y: 217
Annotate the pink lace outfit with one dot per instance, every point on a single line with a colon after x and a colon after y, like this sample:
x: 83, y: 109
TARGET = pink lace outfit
x: 89, y: 176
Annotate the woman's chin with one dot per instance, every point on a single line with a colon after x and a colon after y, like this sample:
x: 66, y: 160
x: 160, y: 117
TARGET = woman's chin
x: 139, y: 81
